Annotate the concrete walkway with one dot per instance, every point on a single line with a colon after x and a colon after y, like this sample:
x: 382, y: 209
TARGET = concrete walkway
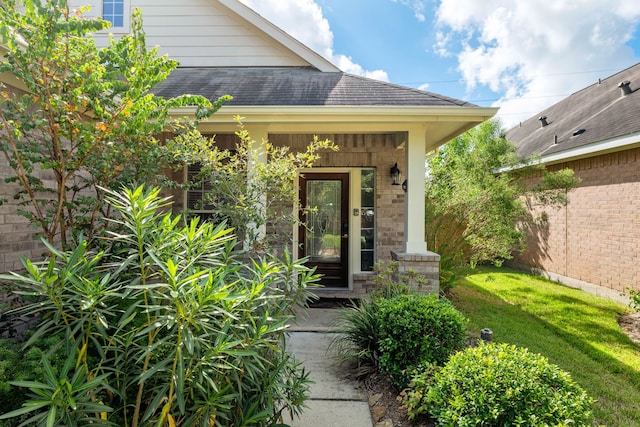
x: 335, y: 401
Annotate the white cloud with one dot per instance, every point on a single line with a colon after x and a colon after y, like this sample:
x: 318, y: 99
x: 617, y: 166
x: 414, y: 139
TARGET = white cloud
x: 303, y: 19
x: 535, y: 53
x: 416, y: 5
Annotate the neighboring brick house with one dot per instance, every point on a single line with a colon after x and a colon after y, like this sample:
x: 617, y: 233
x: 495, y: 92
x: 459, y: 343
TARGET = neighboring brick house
x: 595, y: 239
x: 287, y: 93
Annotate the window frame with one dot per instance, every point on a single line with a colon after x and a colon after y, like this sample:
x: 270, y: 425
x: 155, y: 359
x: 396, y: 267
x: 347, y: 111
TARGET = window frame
x: 126, y: 16
x: 372, y: 228
x: 201, y: 189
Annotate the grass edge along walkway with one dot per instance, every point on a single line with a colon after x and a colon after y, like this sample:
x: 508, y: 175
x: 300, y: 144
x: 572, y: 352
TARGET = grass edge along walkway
x: 575, y: 330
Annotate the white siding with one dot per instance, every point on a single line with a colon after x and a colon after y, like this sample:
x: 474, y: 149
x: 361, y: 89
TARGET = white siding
x: 204, y: 33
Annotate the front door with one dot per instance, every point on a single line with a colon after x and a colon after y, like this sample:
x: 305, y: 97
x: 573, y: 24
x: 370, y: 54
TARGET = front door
x: 324, y: 231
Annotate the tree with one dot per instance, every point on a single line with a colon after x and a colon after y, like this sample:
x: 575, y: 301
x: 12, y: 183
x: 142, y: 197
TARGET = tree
x: 88, y: 119
x: 476, y: 197
x: 250, y: 194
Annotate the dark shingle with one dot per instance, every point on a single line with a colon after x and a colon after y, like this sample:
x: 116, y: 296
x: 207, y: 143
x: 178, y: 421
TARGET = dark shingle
x: 600, y: 109
x: 290, y: 86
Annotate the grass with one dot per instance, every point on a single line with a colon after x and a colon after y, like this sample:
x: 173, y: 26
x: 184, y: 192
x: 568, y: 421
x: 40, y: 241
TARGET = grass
x: 573, y: 329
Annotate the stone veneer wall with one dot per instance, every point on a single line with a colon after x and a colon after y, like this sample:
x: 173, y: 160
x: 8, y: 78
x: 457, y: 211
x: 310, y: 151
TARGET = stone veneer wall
x: 596, y: 237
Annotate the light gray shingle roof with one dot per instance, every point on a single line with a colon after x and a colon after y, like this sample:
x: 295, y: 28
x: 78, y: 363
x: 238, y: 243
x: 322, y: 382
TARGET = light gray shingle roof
x: 291, y: 86
x: 600, y: 109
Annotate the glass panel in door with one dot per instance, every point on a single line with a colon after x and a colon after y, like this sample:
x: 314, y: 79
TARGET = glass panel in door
x: 324, y: 228
x: 324, y: 233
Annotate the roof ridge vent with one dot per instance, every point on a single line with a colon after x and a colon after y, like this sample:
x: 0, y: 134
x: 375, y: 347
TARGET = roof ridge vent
x: 543, y: 121
x: 625, y: 87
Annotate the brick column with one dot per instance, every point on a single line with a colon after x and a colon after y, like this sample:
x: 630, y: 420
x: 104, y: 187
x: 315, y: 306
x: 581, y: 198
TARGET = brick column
x: 419, y: 271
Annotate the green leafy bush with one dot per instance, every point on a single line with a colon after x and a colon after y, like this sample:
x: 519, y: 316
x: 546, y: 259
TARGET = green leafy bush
x: 356, y: 327
x: 499, y: 385
x: 414, y: 330
x: 166, y: 328
x: 17, y: 364
x: 387, y: 285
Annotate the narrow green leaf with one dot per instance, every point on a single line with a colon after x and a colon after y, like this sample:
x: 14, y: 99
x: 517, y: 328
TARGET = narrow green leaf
x: 180, y: 390
x: 23, y: 410
x: 51, y: 417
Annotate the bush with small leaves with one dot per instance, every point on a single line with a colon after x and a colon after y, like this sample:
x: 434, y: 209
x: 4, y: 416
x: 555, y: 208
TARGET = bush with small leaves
x: 499, y: 385
x: 21, y: 364
x: 417, y: 329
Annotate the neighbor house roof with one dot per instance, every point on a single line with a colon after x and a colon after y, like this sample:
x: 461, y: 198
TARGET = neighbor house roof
x: 296, y: 86
x: 602, y: 117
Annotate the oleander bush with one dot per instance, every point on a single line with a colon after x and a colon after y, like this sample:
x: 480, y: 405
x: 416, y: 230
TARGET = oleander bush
x: 167, y: 327
x: 498, y: 385
x: 415, y: 330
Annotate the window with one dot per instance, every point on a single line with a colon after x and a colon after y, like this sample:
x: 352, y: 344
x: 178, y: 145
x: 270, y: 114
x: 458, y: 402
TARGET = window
x: 113, y: 11
x: 367, y: 219
x: 196, y: 200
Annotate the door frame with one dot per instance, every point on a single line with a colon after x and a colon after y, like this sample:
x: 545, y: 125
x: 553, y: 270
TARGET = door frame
x: 354, y: 218
x: 338, y: 272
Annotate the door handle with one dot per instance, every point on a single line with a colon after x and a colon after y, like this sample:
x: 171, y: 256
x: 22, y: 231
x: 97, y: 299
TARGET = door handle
x: 344, y: 236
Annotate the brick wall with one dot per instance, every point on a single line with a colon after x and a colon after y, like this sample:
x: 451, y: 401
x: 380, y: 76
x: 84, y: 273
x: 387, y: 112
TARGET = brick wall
x: 17, y: 236
x: 596, y: 238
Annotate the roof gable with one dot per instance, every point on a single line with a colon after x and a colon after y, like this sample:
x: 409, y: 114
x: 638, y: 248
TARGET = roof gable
x: 596, y: 113
x: 214, y: 33
x: 280, y: 36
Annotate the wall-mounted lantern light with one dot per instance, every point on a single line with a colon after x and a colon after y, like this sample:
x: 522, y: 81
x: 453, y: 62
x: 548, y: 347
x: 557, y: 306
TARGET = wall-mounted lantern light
x: 395, y: 174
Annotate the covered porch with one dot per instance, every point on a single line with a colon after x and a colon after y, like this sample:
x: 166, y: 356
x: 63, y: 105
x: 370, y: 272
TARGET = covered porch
x: 376, y: 125
x: 391, y: 226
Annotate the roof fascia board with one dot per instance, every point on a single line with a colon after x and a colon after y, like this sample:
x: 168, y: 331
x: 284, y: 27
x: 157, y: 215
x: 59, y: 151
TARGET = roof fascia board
x: 279, y: 35
x: 611, y: 145
x: 292, y: 114
x: 601, y: 147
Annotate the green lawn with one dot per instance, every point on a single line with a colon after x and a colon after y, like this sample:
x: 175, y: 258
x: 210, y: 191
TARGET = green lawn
x: 573, y: 329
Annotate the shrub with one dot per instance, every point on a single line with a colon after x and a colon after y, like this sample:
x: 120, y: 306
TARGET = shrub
x: 356, y: 336
x: 166, y: 328
x: 499, y: 385
x: 387, y: 286
x: 23, y: 365
x: 414, y: 330
x: 357, y: 328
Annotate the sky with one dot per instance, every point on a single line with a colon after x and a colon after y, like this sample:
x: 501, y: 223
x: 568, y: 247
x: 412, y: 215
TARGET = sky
x: 519, y: 55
